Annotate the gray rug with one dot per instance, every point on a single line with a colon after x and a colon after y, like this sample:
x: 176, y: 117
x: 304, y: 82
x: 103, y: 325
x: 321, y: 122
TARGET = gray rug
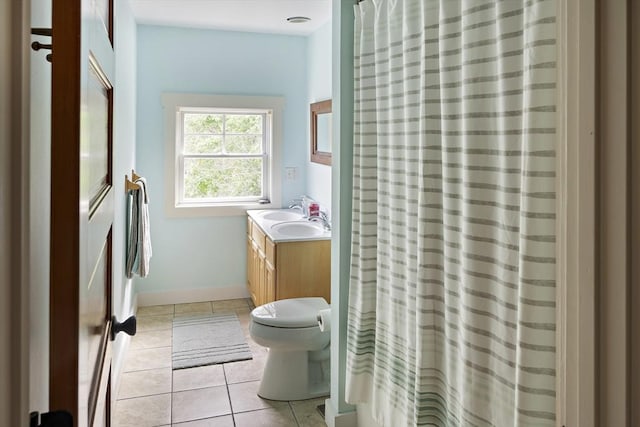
x: 208, y: 339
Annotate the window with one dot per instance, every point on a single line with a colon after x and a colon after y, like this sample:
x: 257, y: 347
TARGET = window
x: 224, y: 153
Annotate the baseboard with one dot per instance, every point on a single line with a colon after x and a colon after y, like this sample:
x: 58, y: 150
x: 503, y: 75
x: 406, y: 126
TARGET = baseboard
x: 335, y: 419
x: 191, y: 295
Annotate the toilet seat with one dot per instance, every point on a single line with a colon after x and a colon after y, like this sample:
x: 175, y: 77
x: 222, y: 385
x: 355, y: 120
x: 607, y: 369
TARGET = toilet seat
x: 290, y: 313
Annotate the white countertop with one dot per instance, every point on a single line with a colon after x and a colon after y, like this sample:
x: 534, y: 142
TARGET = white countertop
x: 267, y: 225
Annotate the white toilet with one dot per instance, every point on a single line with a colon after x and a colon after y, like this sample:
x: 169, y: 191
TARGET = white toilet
x: 297, y: 365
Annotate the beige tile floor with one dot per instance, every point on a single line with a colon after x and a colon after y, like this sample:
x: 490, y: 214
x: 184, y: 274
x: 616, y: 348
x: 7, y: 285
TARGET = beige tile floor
x: 151, y: 394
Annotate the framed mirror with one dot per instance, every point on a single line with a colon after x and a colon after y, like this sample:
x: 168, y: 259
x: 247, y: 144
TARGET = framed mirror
x: 321, y: 132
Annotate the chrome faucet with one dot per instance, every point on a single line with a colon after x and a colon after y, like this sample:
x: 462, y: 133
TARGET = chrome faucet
x: 323, y: 218
x: 299, y: 204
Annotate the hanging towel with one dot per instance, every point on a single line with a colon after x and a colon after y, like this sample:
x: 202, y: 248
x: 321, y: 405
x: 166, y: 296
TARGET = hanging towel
x: 139, y: 245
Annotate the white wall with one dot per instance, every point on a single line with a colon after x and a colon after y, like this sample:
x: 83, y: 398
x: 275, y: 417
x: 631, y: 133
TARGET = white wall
x: 318, y: 89
x: 39, y: 217
x: 124, y: 146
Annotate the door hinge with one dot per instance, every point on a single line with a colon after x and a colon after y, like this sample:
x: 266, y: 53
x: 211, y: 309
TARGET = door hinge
x: 51, y: 419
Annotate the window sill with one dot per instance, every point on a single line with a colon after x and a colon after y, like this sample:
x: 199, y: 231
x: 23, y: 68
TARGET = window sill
x: 193, y: 210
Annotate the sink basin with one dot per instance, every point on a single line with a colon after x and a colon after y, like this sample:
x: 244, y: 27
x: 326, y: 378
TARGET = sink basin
x: 298, y: 229
x: 289, y: 215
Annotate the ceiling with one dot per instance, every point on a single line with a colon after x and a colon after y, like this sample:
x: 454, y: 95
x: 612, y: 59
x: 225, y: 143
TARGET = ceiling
x: 261, y: 16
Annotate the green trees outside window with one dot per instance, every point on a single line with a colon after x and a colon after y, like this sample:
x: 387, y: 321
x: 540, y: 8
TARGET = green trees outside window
x: 223, y: 155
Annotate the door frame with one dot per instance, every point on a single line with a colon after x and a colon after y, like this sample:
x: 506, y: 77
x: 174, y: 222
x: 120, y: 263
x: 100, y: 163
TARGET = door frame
x: 598, y: 214
x: 614, y: 213
x: 15, y: 18
x: 634, y: 377
x: 576, y: 204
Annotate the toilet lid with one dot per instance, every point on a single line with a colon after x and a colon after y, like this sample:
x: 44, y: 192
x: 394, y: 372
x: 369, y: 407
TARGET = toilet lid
x: 290, y: 313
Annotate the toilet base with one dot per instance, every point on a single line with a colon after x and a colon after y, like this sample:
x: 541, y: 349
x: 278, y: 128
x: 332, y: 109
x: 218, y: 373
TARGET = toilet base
x: 295, y: 375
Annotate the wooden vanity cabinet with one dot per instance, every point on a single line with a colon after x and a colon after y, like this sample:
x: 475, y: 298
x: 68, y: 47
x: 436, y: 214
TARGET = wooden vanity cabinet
x: 286, y: 269
x: 269, y: 289
x: 251, y: 268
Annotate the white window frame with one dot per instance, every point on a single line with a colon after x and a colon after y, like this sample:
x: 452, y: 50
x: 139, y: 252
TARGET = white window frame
x: 175, y: 104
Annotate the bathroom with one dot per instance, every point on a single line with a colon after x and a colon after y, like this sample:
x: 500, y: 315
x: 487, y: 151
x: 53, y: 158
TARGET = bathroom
x: 519, y: 310
x: 196, y: 61
x: 269, y: 58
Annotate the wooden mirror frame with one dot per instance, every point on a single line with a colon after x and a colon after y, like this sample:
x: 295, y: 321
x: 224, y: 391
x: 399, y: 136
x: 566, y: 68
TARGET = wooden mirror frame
x: 323, y: 157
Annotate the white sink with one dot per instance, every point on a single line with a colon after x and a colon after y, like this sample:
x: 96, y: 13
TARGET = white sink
x: 298, y: 229
x: 283, y: 215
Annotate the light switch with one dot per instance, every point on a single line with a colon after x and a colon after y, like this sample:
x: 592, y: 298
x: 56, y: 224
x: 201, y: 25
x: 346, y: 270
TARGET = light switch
x: 291, y: 173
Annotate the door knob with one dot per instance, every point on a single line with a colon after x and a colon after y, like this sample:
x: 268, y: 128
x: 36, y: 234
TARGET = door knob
x: 128, y: 326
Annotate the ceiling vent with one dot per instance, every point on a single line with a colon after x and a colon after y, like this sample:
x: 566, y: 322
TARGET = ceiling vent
x: 298, y: 19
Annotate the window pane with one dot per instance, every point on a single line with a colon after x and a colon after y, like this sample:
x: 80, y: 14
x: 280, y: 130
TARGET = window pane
x: 243, y: 144
x: 202, y: 144
x: 222, y: 178
x: 203, y: 123
x: 244, y: 123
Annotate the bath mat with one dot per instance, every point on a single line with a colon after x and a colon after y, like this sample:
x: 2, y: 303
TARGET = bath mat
x: 209, y: 339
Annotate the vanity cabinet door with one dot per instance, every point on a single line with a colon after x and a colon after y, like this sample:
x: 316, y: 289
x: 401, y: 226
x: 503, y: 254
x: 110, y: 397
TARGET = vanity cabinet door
x: 303, y: 269
x: 250, y: 263
x: 253, y: 272
x: 269, y: 283
x: 256, y: 274
x: 270, y: 271
x: 261, y: 279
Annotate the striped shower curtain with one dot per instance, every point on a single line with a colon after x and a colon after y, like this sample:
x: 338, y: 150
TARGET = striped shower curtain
x: 452, y: 292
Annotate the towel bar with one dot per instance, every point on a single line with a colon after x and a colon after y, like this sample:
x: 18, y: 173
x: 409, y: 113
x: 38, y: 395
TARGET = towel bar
x: 129, y: 184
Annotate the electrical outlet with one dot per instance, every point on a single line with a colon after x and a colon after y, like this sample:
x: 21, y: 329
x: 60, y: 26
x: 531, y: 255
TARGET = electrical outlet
x: 291, y: 173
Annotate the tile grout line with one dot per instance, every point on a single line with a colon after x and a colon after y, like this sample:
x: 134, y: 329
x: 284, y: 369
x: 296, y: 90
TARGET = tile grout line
x: 144, y: 395
x: 226, y: 384
x: 145, y: 370
x: 295, y: 417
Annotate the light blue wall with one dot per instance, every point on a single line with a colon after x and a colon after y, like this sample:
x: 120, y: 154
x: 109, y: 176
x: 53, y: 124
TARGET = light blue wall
x: 192, y: 253
x: 319, y: 89
x: 124, y: 122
